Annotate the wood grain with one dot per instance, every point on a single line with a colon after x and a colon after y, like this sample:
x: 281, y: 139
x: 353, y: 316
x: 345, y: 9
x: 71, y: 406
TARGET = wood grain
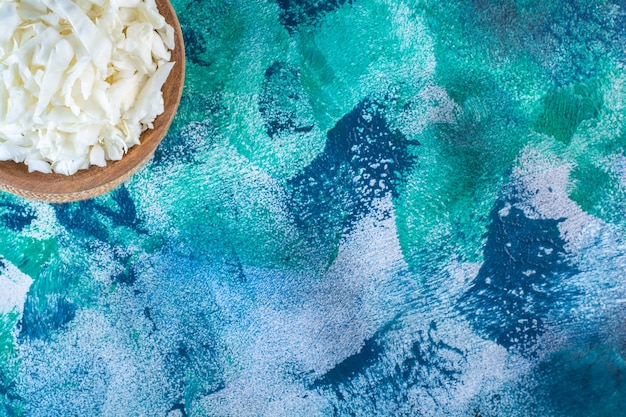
x: 94, y: 181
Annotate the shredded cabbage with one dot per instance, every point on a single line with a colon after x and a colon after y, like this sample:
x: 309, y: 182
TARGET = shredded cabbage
x: 80, y: 80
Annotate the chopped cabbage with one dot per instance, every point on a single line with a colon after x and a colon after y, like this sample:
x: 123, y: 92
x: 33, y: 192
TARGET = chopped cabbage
x: 80, y: 80
x: 9, y: 21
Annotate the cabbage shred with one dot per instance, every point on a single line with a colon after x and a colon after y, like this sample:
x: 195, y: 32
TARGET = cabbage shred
x: 80, y: 80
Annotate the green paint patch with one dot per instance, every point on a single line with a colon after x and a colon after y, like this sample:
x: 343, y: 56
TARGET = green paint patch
x: 231, y: 209
x: 55, y: 278
x: 26, y: 253
x: 565, y: 108
x: 354, y: 55
x: 598, y: 191
x: 597, y: 149
x: 592, y: 183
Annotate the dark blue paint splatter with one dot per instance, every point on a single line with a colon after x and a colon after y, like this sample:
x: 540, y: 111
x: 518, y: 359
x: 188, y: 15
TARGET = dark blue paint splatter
x: 148, y: 315
x: 193, y: 38
x: 430, y: 364
x: 16, y: 216
x: 86, y: 217
x: 353, y: 365
x: 363, y: 160
x: 125, y: 212
x: 129, y: 273
x: 195, y: 46
x: 306, y: 12
x: 39, y: 323
x: 515, y: 289
x: 79, y: 219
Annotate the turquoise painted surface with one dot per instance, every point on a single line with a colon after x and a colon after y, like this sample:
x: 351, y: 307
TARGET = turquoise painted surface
x: 363, y: 208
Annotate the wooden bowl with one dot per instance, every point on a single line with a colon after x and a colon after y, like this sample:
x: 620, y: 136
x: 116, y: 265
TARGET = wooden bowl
x: 94, y: 181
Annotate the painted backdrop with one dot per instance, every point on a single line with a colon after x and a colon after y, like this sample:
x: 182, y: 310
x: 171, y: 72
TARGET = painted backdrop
x: 363, y: 208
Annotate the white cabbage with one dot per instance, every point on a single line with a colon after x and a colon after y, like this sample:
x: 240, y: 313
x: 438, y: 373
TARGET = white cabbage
x: 9, y: 21
x: 80, y: 80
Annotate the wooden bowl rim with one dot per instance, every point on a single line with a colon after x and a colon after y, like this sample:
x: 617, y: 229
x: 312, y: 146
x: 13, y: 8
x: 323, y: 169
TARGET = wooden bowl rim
x: 95, y: 181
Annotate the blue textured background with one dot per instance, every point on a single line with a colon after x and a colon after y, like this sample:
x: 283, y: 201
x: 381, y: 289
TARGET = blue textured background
x: 363, y: 208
